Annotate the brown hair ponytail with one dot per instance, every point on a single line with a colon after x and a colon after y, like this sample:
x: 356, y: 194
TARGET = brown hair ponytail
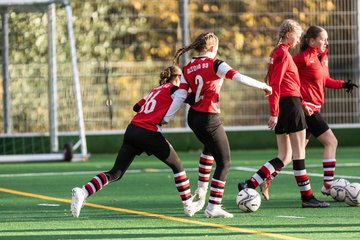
x: 288, y: 25
x: 169, y: 74
x: 202, y: 43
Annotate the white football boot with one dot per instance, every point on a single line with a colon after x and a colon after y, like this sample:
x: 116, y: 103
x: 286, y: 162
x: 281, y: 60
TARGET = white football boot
x: 199, y: 198
x: 77, y: 201
x: 216, y: 211
x: 189, y: 209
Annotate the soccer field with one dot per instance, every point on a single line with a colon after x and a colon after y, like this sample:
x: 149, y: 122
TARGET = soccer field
x: 35, y: 198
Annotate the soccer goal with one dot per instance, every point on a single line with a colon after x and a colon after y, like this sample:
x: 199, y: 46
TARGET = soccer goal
x: 36, y: 100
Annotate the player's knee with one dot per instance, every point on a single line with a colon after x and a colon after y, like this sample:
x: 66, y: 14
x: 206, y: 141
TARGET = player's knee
x: 331, y: 143
x: 177, y: 167
x: 225, y: 164
x: 334, y: 142
x: 173, y: 161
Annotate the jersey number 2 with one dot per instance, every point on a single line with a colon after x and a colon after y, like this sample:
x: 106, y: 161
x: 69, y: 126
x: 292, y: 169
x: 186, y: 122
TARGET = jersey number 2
x: 199, y: 82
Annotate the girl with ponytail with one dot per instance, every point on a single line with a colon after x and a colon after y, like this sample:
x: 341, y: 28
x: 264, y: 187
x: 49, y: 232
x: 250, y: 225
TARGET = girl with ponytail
x: 204, y: 75
x: 287, y: 117
x: 143, y: 135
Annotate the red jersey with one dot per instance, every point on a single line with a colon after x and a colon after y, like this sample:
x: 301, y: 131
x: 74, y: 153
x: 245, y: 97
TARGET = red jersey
x: 200, y: 76
x: 314, y: 77
x: 153, y: 107
x: 283, y: 77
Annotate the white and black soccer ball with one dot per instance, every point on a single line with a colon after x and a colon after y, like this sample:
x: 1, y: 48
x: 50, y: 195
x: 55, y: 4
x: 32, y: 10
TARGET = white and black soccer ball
x: 337, y: 189
x: 352, y: 197
x: 248, y: 200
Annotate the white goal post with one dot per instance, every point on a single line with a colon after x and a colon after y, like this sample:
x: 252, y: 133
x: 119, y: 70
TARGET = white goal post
x: 49, y: 7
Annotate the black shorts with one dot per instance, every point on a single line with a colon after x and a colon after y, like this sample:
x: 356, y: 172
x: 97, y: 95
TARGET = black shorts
x: 139, y: 140
x: 291, y: 116
x: 210, y: 131
x: 316, y: 125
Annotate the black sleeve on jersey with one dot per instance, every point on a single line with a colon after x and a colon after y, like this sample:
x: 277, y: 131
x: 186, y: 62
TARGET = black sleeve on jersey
x: 136, y: 107
x: 217, y: 64
x: 173, y: 89
x: 190, y: 99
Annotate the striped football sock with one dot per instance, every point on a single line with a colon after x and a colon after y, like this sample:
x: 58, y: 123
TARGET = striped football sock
x: 274, y: 174
x: 182, y: 184
x: 266, y: 172
x: 302, y: 178
x: 96, y: 184
x: 205, y: 166
x: 216, y: 191
x: 329, y: 171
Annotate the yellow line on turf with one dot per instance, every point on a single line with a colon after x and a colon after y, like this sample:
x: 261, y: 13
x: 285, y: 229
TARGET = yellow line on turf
x: 177, y: 219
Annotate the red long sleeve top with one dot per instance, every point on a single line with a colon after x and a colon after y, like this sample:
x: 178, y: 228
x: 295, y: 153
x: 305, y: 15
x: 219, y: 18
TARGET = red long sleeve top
x: 314, y: 77
x: 154, y: 107
x: 201, y: 77
x: 283, y: 77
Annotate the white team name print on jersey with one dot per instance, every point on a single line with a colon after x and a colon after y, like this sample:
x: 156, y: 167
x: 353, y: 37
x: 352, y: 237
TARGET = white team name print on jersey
x: 311, y: 61
x: 193, y: 68
x: 197, y: 67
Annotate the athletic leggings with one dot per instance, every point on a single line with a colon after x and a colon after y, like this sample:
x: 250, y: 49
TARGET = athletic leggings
x: 210, y: 131
x: 138, y: 140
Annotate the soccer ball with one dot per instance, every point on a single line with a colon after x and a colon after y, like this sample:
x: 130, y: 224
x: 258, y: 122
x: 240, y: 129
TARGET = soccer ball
x: 248, y: 200
x: 352, y: 197
x: 337, y: 189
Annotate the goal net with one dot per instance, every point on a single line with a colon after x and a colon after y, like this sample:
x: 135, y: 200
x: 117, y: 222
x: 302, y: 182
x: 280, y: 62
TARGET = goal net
x: 41, y: 109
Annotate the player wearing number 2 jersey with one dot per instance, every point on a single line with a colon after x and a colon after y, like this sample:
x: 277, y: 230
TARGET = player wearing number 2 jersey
x: 142, y: 135
x: 204, y: 76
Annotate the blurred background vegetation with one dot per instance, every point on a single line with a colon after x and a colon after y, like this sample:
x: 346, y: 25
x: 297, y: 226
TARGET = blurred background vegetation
x: 123, y: 45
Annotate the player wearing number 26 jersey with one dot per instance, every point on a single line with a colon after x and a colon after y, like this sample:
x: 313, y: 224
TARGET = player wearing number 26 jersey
x: 154, y: 106
x: 204, y: 76
x: 142, y: 135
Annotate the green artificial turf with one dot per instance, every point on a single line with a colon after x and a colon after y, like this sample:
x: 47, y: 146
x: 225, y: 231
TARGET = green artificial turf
x: 148, y: 188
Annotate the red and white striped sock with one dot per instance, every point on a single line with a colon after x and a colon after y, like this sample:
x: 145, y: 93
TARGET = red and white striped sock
x: 216, y: 191
x: 182, y: 184
x: 302, y: 178
x: 205, y: 166
x: 329, y: 171
x: 267, y: 171
x: 274, y: 174
x: 96, y: 184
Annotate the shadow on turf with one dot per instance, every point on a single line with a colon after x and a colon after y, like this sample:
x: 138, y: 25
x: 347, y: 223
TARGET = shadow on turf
x: 193, y: 228
x: 120, y: 235
x: 184, y: 234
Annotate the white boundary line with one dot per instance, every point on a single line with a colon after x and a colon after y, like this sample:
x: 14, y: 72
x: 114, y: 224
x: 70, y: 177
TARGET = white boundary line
x: 170, y: 130
x: 154, y: 170
x: 247, y: 169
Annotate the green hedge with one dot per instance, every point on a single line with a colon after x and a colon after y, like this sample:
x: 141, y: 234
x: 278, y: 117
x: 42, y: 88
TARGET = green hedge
x: 184, y: 141
x: 187, y: 141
